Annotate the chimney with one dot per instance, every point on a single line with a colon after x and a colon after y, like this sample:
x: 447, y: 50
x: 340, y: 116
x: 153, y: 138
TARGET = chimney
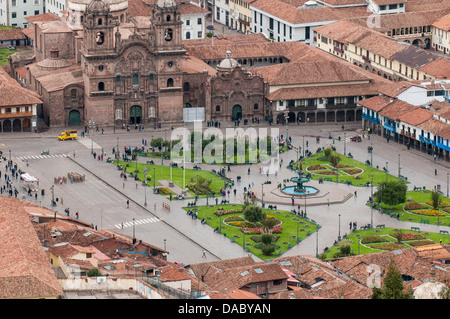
x: 54, y: 53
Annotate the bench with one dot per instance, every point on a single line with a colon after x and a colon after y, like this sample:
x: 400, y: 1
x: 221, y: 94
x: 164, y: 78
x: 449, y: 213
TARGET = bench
x: 380, y: 226
x: 425, y: 221
x: 328, y: 179
x: 415, y: 228
x: 443, y: 232
x: 150, y: 162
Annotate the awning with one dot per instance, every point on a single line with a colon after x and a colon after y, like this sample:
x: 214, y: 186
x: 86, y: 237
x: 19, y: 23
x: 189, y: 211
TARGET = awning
x: 29, y: 178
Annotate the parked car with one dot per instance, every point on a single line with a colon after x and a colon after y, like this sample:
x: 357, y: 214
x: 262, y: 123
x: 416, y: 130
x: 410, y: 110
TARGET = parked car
x: 356, y: 138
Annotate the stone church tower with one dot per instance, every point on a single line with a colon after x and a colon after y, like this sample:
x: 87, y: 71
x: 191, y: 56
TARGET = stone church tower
x: 169, y: 52
x: 97, y: 60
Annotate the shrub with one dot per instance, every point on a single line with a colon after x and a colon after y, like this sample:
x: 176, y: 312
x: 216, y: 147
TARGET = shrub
x: 268, y: 249
x: 415, y: 205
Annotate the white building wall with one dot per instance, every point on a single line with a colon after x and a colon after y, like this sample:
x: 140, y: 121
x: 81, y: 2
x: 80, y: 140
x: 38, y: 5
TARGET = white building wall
x: 194, y: 26
x: 13, y: 12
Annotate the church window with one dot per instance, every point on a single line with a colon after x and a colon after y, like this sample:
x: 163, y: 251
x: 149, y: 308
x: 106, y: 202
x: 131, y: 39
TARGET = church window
x: 168, y: 18
x: 100, y: 38
x: 100, y: 21
x: 100, y: 67
x: 255, y: 107
x: 217, y: 108
x: 135, y: 79
x: 168, y: 35
x: 101, y: 86
x: 150, y: 77
x: 169, y: 82
x: 73, y: 94
x: 186, y: 86
x: 118, y: 78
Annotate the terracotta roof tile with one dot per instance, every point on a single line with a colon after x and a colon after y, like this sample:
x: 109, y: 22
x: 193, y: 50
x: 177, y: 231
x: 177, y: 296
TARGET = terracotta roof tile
x: 25, y: 270
x: 11, y: 34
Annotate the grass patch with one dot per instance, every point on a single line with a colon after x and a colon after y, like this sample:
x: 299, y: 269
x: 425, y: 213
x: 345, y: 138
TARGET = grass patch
x: 385, y: 239
x: 350, y: 170
x: 232, y: 222
x: 175, y: 174
x: 4, y: 53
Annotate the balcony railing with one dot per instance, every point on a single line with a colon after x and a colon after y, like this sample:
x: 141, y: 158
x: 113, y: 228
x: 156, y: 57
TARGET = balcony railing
x: 338, y: 49
x: 371, y: 118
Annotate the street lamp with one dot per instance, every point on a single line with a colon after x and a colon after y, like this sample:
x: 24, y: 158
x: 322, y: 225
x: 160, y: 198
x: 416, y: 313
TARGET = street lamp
x: 154, y: 179
x: 345, y: 143
x: 387, y: 171
x: 339, y: 229
x: 145, y: 186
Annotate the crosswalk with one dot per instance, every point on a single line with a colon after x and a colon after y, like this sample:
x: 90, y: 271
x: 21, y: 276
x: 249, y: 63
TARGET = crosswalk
x: 137, y: 222
x: 37, y: 157
x: 88, y: 143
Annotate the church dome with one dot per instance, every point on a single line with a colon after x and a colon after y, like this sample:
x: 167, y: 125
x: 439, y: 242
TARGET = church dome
x: 166, y: 3
x: 228, y: 62
x: 430, y: 289
x: 97, y: 6
x: 53, y: 62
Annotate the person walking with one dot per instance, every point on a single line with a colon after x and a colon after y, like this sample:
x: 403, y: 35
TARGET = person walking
x: 128, y: 203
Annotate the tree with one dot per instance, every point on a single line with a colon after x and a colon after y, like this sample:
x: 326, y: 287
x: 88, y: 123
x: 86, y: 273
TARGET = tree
x: 334, y: 161
x: 391, y: 193
x: 93, y: 272
x: 435, y: 198
x: 392, y: 287
x: 254, y: 213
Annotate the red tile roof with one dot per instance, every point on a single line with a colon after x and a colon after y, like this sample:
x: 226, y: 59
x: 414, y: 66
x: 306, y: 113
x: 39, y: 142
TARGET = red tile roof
x: 25, y: 270
x: 11, y: 34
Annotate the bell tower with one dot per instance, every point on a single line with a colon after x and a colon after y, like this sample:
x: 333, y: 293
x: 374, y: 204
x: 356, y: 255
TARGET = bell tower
x: 167, y: 23
x: 169, y: 53
x: 99, y: 27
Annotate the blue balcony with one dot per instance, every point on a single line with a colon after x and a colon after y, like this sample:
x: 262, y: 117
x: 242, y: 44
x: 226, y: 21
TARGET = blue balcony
x: 427, y: 140
x: 390, y: 127
x: 373, y: 119
x: 442, y: 146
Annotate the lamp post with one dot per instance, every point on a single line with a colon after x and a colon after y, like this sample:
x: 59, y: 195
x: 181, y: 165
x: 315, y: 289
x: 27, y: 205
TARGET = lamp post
x: 145, y: 186
x: 339, y: 229
x: 371, y: 156
x: 154, y: 179
x: 262, y: 195
x: 371, y: 203
x: 117, y: 152
x: 345, y: 143
x: 398, y: 165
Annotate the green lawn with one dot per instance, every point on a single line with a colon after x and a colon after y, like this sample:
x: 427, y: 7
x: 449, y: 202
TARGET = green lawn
x: 175, y: 174
x: 4, y: 53
x: 361, y: 175
x: 290, y: 223
x: 378, y: 240
x: 420, y: 197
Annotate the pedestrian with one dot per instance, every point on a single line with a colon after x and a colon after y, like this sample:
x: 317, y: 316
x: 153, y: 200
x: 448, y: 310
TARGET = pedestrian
x: 128, y: 203
x: 435, y: 172
x: 355, y: 194
x: 74, y: 154
x: 77, y: 215
x: 328, y: 200
x: 204, y: 254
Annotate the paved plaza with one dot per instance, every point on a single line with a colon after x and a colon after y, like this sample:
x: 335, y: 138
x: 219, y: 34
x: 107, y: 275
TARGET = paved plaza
x: 101, y: 199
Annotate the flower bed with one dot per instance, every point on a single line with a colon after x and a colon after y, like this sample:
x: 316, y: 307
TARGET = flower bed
x: 326, y: 173
x: 373, y: 239
x: 316, y: 167
x: 428, y: 212
x: 441, y: 204
x: 164, y: 191
x: 416, y: 243
x: 222, y: 212
x: 260, y: 230
x: 387, y: 246
x: 353, y: 171
x: 415, y: 206
x: 408, y: 236
x: 343, y: 166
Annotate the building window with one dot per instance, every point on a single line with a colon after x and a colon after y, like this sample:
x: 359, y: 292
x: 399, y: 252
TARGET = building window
x: 150, y: 77
x: 186, y: 86
x: 199, y: 20
x: 217, y: 108
x: 100, y: 67
x: 188, y: 35
x: 117, y: 78
x: 255, y: 106
x: 101, y: 86
x: 135, y: 79
x: 169, y: 82
x: 13, y: 15
x: 188, y: 22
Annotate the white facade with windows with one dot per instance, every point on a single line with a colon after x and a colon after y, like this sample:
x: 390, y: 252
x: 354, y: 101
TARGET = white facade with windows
x: 194, y: 26
x: 13, y: 12
x: 280, y: 30
x: 55, y: 6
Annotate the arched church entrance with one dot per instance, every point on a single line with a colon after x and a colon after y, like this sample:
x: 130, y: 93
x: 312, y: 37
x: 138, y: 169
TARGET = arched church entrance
x: 236, y: 113
x: 135, y: 114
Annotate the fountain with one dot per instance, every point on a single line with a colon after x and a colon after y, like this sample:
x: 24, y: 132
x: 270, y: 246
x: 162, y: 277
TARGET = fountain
x: 299, y: 189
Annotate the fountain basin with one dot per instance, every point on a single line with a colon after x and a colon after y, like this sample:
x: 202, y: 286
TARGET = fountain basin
x: 306, y: 190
